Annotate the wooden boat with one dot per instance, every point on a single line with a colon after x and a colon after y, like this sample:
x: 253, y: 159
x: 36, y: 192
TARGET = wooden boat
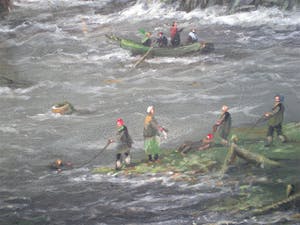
x: 139, y: 49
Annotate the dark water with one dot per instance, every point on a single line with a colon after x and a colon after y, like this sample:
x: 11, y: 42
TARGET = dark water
x: 52, y: 51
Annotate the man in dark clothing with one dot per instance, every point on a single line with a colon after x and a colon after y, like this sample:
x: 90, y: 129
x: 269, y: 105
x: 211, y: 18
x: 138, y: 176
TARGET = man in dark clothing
x: 275, y: 119
x: 162, y: 41
x: 124, y: 143
x: 147, y: 39
x: 223, y: 125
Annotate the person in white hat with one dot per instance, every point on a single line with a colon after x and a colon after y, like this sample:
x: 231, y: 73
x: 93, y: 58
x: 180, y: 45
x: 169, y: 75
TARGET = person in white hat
x: 151, y: 133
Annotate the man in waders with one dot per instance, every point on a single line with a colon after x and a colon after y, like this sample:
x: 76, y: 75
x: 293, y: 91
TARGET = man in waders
x: 275, y: 119
x: 223, y: 125
x: 151, y: 135
x: 124, y: 143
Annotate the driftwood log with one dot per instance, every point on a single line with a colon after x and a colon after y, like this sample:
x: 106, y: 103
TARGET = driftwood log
x: 253, y: 158
x: 290, y: 202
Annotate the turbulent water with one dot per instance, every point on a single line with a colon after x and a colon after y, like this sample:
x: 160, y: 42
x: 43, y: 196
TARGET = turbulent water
x: 54, y: 51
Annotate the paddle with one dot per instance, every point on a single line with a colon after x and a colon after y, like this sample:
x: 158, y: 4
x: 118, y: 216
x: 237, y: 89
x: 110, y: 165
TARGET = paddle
x: 99, y: 153
x: 143, y: 58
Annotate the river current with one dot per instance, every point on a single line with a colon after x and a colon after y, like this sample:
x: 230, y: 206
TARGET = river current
x: 54, y: 51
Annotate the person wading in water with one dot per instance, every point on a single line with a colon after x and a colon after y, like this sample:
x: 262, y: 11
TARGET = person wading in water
x: 275, y: 119
x: 223, y: 125
x: 151, y: 135
x: 124, y: 143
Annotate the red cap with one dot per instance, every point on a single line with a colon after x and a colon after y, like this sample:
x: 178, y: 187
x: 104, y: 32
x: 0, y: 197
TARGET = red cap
x: 210, y: 136
x: 120, y: 122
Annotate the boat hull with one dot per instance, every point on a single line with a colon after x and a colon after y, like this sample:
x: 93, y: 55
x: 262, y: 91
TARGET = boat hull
x: 139, y: 49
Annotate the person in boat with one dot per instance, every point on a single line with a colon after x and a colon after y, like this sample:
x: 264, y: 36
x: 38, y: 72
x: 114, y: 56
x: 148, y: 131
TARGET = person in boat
x: 223, y: 125
x: 59, y: 165
x: 193, y: 37
x: 175, y: 35
x: 147, y: 41
x: 162, y: 40
x: 151, y: 133
x: 124, y: 143
x: 204, y: 144
x: 275, y: 119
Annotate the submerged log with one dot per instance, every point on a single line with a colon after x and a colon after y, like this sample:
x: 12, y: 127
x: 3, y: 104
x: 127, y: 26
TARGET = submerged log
x: 253, y: 158
x: 290, y: 202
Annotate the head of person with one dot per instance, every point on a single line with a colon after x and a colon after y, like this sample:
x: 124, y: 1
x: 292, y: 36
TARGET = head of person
x: 58, y: 162
x: 150, y: 109
x: 160, y: 34
x: 225, y: 108
x: 148, y: 34
x: 277, y: 98
x: 120, y: 122
x: 174, y: 24
x: 209, y: 136
x: 193, y: 30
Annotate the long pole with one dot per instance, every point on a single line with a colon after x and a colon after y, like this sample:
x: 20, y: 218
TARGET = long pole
x: 99, y: 153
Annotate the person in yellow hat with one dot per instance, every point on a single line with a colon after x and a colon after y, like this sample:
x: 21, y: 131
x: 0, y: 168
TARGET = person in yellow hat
x: 147, y: 41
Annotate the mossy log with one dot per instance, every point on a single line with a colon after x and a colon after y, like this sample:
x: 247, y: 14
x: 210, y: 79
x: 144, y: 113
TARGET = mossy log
x: 290, y: 202
x: 253, y: 158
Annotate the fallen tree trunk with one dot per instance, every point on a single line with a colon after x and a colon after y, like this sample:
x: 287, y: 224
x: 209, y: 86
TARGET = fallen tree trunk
x: 290, y: 202
x: 253, y: 158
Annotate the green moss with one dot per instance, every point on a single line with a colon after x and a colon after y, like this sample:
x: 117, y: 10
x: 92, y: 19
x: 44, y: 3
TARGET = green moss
x: 251, y: 194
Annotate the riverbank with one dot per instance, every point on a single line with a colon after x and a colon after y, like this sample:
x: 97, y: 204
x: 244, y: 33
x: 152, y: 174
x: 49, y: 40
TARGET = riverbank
x: 253, y: 186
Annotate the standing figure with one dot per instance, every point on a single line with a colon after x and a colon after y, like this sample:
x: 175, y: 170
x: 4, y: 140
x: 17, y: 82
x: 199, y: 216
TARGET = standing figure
x: 124, y: 143
x: 162, y: 41
x: 275, y: 119
x: 223, y: 125
x: 193, y: 37
x: 151, y: 135
x: 175, y: 35
x: 147, y: 39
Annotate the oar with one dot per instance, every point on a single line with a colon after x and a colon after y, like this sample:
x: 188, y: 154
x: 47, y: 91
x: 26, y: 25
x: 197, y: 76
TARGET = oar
x: 99, y: 153
x: 143, y: 58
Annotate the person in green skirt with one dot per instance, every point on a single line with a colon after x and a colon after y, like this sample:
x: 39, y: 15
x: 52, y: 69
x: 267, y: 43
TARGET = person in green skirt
x: 151, y: 133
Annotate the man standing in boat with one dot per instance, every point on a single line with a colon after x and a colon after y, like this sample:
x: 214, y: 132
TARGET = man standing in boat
x: 223, y: 125
x: 124, y: 143
x: 275, y: 119
x: 151, y: 135
x: 175, y: 35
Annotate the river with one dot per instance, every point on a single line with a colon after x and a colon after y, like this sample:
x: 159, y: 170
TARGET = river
x: 55, y: 51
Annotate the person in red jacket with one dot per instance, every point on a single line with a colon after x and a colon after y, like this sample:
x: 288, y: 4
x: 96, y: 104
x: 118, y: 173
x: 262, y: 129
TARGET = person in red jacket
x: 175, y: 35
